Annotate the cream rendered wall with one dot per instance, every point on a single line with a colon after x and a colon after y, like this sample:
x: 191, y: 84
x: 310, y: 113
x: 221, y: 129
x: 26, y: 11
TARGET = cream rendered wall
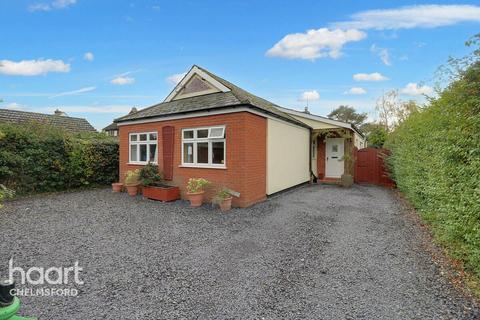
x: 288, y: 148
x: 315, y: 125
x: 359, y: 141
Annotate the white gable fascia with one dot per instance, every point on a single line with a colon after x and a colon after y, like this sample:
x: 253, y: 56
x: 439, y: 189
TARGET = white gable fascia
x: 195, y: 70
x: 320, y: 119
x: 316, y: 118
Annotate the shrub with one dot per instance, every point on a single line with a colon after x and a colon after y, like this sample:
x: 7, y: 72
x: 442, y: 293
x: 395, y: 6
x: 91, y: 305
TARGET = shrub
x: 132, y: 177
x: 40, y: 158
x: 435, y: 161
x: 196, y: 185
x: 221, y: 195
x: 150, y: 176
x: 5, y: 193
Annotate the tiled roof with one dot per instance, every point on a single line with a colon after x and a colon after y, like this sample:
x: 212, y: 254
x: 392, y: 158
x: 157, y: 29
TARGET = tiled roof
x: 71, y: 124
x: 235, y: 97
x: 111, y: 126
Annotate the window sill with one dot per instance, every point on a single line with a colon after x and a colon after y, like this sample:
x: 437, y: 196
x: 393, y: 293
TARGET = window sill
x: 140, y: 163
x: 202, y: 167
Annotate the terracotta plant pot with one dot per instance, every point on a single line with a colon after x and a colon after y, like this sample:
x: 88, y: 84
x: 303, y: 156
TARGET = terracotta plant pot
x: 196, y: 199
x: 117, y: 187
x: 226, y: 204
x: 163, y: 193
x: 132, y: 189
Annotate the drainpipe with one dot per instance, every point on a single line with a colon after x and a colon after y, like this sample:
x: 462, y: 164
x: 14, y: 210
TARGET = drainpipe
x: 313, y: 178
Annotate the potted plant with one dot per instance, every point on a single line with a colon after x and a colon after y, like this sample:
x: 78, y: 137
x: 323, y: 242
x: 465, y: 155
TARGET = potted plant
x: 132, y: 182
x: 224, y: 199
x: 195, y: 190
x: 154, y: 187
x: 117, y: 187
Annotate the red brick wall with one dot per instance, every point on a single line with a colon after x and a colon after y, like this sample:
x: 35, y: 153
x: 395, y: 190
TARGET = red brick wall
x: 245, y: 155
x: 321, y: 157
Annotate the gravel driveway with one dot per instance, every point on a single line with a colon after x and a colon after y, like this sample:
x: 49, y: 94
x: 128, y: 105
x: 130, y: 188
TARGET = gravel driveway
x: 317, y: 252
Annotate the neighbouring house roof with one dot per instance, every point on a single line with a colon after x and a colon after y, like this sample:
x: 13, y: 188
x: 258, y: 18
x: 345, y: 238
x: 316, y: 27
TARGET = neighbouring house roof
x: 59, y: 119
x: 228, y: 95
x: 110, y: 127
x: 315, y: 117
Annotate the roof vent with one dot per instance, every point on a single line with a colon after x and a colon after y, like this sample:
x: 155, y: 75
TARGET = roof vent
x: 133, y: 110
x: 306, y: 110
x: 59, y: 113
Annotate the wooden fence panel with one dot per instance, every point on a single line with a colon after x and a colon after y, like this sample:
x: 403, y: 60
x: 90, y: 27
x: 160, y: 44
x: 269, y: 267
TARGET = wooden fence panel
x: 370, y: 167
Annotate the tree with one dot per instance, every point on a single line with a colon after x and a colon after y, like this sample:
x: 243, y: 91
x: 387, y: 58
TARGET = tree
x: 392, y: 111
x: 375, y: 134
x: 348, y: 114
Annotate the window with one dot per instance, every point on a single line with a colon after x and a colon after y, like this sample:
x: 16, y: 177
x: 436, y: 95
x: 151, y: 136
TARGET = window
x: 314, y: 149
x: 143, y: 147
x: 204, y: 147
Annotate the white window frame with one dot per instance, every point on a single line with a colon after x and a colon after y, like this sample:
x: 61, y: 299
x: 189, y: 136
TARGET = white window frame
x: 148, y: 142
x: 208, y: 139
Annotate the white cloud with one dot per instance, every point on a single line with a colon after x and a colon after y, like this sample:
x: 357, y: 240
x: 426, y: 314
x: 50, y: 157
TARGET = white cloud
x: 122, y: 80
x: 175, y: 78
x: 314, y: 44
x: 14, y: 106
x: 382, y: 53
x: 74, y: 92
x: 33, y: 67
x: 309, y: 96
x: 369, y: 77
x: 88, y: 56
x: 417, y: 16
x: 356, y: 91
x: 57, y: 4
x: 413, y: 89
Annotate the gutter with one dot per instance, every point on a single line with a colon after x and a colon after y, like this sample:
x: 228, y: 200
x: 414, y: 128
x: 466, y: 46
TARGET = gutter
x: 261, y: 110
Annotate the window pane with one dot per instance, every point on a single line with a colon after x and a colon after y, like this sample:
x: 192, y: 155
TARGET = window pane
x: 153, y: 136
x: 217, y: 133
x: 188, y: 153
x: 202, y: 133
x: 202, y: 152
x: 218, y: 152
x: 143, y: 152
x: 153, y: 153
x: 133, y: 137
x: 188, y: 134
x: 143, y: 137
x: 115, y: 133
x: 334, y: 148
x: 133, y: 152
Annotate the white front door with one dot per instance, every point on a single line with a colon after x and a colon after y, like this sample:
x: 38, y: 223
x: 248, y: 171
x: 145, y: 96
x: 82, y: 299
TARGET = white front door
x: 334, y: 157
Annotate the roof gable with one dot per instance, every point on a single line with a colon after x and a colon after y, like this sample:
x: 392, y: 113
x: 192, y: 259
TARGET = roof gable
x: 227, y: 95
x: 196, y: 83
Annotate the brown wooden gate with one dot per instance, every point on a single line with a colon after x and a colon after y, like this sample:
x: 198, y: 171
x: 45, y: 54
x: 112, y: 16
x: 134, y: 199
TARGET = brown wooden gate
x: 370, y: 168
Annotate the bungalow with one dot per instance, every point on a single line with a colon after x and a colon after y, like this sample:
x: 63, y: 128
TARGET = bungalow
x: 58, y: 119
x: 208, y: 127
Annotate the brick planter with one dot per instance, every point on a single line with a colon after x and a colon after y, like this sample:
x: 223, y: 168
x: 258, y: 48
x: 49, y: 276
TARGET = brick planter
x: 163, y: 193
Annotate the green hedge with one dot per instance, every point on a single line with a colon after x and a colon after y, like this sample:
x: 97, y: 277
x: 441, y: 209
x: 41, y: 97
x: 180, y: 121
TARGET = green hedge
x: 38, y: 158
x: 435, y: 161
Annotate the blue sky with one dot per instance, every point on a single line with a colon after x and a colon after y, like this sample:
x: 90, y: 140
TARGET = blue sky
x: 97, y: 59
